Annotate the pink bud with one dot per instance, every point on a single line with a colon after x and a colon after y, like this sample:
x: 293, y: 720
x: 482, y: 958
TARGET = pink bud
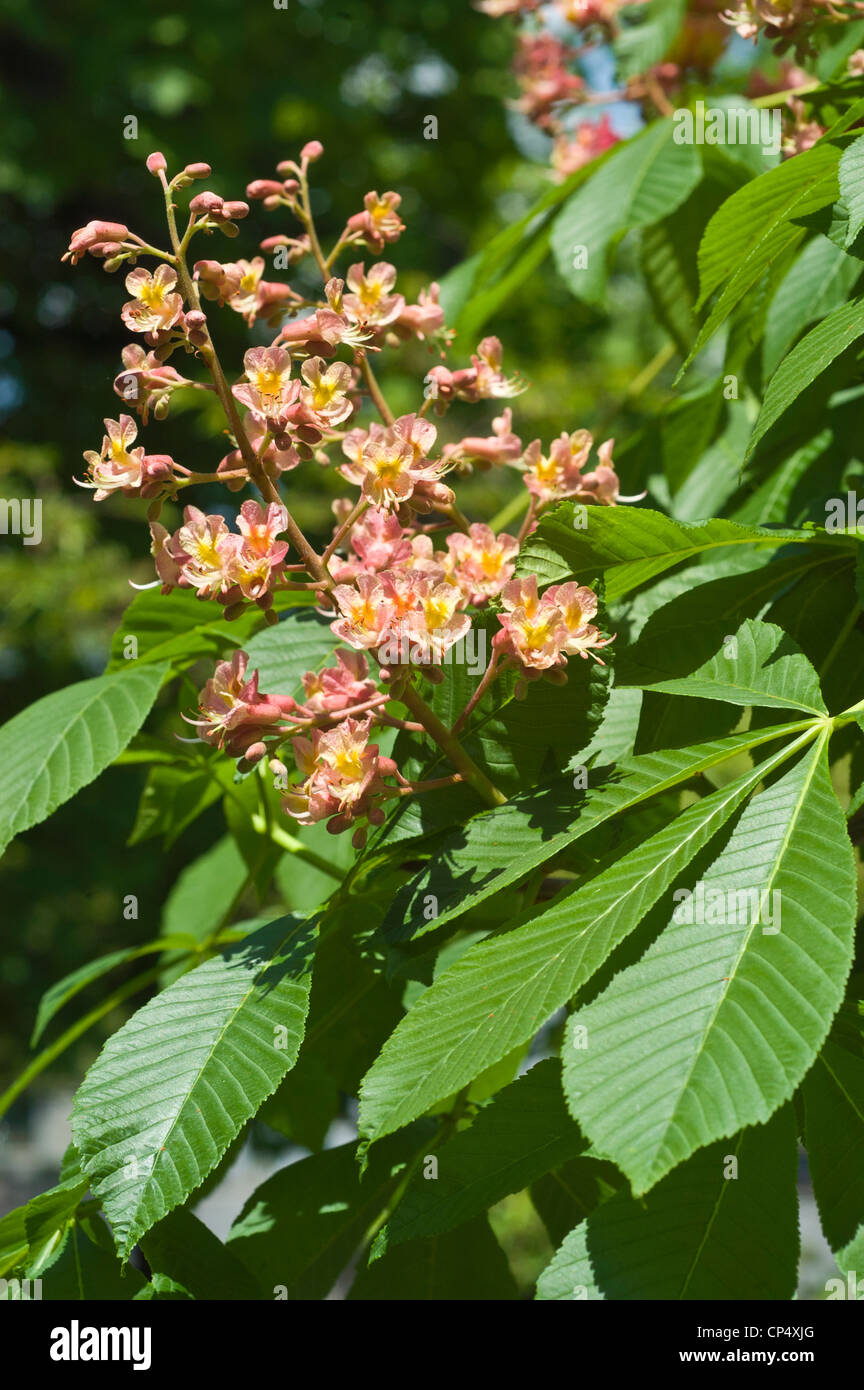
x: 195, y: 319
x: 235, y: 210
x: 156, y: 162
x: 271, y: 242
x: 290, y: 187
x: 206, y: 202
x: 272, y: 202
x: 198, y: 171
x: 312, y: 150
x: 260, y: 188
x: 286, y: 167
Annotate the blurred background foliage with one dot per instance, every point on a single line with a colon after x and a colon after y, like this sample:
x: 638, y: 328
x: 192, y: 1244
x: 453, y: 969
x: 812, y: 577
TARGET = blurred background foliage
x: 242, y: 87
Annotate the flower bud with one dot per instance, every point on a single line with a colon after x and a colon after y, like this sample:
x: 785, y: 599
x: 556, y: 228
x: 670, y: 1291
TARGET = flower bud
x: 236, y: 210
x: 286, y: 167
x: 234, y: 610
x: 312, y: 150
x: 358, y: 839
x: 195, y: 319
x: 272, y: 202
x: 229, y: 228
x: 114, y: 264
x: 290, y: 187
x: 271, y: 617
x: 206, y: 202
x: 160, y: 409
x: 261, y: 188
x: 254, y: 753
x: 156, y: 162
x: 198, y: 171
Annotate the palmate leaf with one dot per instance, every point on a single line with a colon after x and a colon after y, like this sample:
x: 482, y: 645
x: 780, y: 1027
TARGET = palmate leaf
x: 642, y: 182
x: 758, y: 665
x: 807, y: 360
x: 719, y: 1021
x: 630, y: 546
x: 62, y: 742
x: 524, y: 1132
x: 685, y: 1239
x: 500, y: 992
x: 171, y: 1089
x: 499, y: 848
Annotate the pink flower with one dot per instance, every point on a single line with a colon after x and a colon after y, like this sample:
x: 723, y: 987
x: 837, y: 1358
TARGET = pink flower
x: 234, y: 715
x: 371, y: 301
x: 259, y: 558
x: 484, y: 562
x: 343, y: 773
x: 388, y: 464
x: 435, y: 624
x: 154, y: 307
x: 325, y: 393
x: 379, y: 542
x: 590, y: 139
x: 541, y: 65
x: 482, y: 381
x: 116, y: 467
x: 539, y: 632
x: 426, y: 317
x: 379, y: 222
x: 268, y: 386
x: 204, y: 548
x: 560, y: 474
x: 146, y: 382
x: 367, y: 612
x: 502, y: 446
x: 338, y: 687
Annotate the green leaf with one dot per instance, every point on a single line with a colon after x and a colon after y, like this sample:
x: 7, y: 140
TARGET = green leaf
x: 499, y: 848
x: 807, y: 360
x: 501, y: 991
x: 185, y: 1250
x: 180, y: 628
x: 32, y: 1236
x: 205, y: 891
x: 716, y: 1025
x: 833, y: 1093
x: 171, y: 1089
x: 174, y: 796
x: 523, y: 1132
x: 88, y: 1270
x: 758, y: 665
x: 851, y: 175
x: 643, y: 181
x: 820, y: 280
x: 685, y: 1239
x: 461, y: 1266
x: 59, y: 994
x: 60, y: 744
x: 753, y: 229
x: 281, y: 654
x: 738, y: 232
x: 630, y: 546
x: 300, y: 1228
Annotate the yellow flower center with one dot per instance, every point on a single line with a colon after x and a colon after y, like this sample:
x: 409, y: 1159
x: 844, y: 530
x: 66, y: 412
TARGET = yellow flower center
x: 152, y: 295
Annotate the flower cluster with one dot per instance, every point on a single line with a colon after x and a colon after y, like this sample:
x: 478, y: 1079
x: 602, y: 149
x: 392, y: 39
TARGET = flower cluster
x: 404, y: 573
x: 554, y: 80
